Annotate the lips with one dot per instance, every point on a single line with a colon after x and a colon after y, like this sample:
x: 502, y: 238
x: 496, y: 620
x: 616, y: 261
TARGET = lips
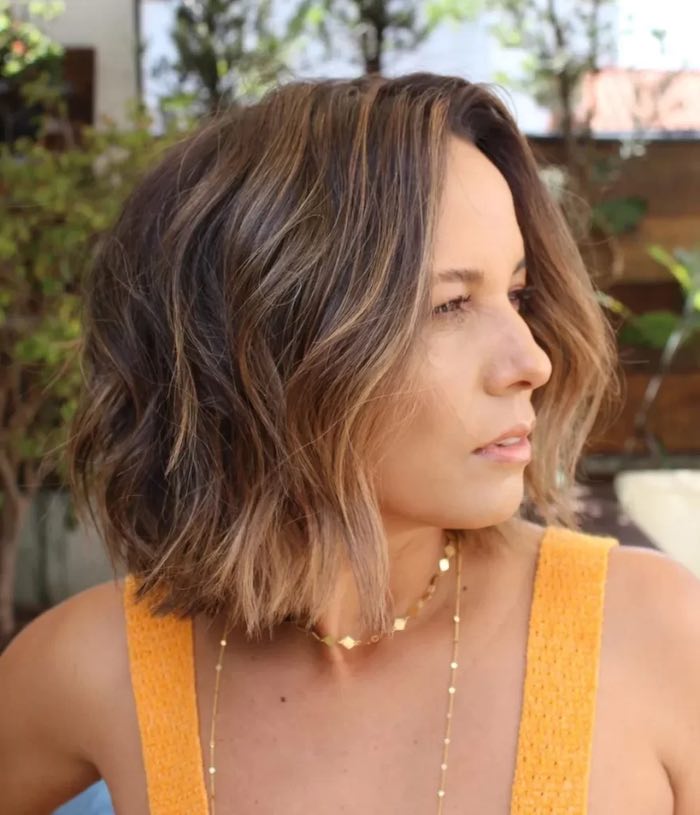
x: 520, y: 453
x: 520, y: 430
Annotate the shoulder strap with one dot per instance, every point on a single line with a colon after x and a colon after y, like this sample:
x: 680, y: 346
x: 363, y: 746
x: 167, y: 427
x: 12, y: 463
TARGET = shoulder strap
x: 561, y: 677
x: 161, y: 663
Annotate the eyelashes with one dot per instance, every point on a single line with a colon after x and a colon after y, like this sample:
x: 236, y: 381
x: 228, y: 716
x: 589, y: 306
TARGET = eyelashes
x: 524, y: 298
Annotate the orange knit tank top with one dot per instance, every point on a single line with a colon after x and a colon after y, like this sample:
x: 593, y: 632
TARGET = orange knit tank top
x: 559, y: 695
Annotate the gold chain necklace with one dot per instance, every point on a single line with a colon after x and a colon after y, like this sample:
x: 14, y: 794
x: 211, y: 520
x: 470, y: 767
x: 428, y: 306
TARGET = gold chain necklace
x: 349, y: 642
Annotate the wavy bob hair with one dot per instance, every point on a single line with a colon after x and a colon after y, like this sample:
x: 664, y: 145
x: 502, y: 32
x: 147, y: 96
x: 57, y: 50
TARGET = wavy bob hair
x: 252, y: 314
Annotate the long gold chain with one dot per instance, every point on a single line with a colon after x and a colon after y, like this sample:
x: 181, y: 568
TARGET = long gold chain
x: 348, y: 642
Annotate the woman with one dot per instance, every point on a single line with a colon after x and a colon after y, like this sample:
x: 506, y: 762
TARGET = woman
x: 316, y: 345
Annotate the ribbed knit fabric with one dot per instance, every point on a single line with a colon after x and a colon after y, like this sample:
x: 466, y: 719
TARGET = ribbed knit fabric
x: 163, y: 680
x: 559, y: 695
x: 561, y: 675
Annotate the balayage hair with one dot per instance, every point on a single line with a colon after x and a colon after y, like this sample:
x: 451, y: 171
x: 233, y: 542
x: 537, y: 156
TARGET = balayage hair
x: 250, y: 333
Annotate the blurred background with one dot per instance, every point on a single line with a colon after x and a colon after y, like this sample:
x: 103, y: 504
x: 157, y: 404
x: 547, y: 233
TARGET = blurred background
x: 92, y: 92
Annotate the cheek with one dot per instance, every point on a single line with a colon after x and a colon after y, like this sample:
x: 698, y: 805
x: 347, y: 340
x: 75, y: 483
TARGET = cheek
x: 428, y: 476
x: 452, y: 394
x: 425, y: 455
x: 455, y: 350
x: 426, y: 471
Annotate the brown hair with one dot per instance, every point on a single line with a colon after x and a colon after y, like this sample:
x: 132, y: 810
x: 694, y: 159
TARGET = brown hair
x: 251, y: 316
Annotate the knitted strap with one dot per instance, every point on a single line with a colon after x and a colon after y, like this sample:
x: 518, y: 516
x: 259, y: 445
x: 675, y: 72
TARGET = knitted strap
x: 561, y: 677
x: 556, y: 726
x: 163, y: 681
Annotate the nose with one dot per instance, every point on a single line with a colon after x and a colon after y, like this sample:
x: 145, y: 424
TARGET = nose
x: 516, y: 360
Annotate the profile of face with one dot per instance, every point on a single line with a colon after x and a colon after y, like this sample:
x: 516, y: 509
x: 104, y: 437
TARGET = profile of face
x: 479, y: 363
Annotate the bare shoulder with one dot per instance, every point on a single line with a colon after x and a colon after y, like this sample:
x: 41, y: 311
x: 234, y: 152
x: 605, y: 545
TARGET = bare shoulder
x: 77, y: 633
x: 56, y: 677
x: 653, y: 617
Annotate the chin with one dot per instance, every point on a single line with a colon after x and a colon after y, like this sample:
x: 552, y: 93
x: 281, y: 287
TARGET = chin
x: 493, y: 510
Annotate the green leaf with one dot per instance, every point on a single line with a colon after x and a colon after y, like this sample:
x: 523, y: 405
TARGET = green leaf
x: 53, y: 207
x: 46, y: 9
x: 7, y: 246
x: 51, y: 287
x: 677, y: 269
x: 651, y: 329
x: 455, y: 11
x: 690, y: 258
x: 502, y: 78
x: 620, y: 215
x: 315, y: 15
x: 614, y: 305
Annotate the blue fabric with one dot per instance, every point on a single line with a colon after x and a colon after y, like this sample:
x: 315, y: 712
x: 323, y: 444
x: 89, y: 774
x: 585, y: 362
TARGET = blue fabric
x: 95, y: 800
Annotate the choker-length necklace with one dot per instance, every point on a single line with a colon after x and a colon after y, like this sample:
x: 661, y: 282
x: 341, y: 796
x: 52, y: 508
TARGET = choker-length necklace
x: 348, y: 642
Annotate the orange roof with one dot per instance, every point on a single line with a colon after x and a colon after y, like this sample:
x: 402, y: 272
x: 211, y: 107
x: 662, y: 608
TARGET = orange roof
x: 626, y: 99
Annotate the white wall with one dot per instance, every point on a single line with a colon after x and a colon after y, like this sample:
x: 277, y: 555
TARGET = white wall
x: 108, y: 27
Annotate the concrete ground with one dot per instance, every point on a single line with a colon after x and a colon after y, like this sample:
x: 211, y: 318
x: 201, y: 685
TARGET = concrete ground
x: 665, y: 503
x: 602, y: 514
x: 659, y: 509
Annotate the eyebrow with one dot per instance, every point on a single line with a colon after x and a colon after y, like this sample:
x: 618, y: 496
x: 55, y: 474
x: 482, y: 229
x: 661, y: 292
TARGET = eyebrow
x: 470, y: 275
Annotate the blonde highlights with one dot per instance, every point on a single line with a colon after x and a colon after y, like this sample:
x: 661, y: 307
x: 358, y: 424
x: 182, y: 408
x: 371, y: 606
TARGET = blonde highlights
x: 250, y: 326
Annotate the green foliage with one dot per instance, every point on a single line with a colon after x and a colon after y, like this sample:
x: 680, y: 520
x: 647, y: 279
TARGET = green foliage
x: 657, y: 329
x: 619, y: 215
x: 559, y: 45
x: 53, y: 207
x: 651, y: 329
x: 226, y: 51
x: 684, y: 265
x: 377, y: 27
x: 23, y: 46
x: 438, y: 12
x: 30, y: 68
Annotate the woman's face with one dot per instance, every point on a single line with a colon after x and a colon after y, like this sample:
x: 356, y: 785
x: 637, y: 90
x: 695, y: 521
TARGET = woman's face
x: 479, y: 364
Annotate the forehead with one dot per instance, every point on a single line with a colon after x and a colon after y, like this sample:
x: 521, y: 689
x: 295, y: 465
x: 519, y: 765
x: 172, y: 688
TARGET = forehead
x: 476, y: 225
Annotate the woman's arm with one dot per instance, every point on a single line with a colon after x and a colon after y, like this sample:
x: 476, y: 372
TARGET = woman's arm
x: 48, y: 683
x: 662, y: 603
x: 679, y: 646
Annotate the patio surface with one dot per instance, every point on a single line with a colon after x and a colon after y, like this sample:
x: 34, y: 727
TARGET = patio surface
x: 601, y: 514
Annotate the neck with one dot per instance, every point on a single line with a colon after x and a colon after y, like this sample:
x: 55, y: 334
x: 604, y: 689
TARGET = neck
x: 413, y: 561
x: 494, y: 572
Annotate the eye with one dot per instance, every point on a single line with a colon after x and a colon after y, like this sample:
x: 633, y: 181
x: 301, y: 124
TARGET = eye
x: 523, y: 297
